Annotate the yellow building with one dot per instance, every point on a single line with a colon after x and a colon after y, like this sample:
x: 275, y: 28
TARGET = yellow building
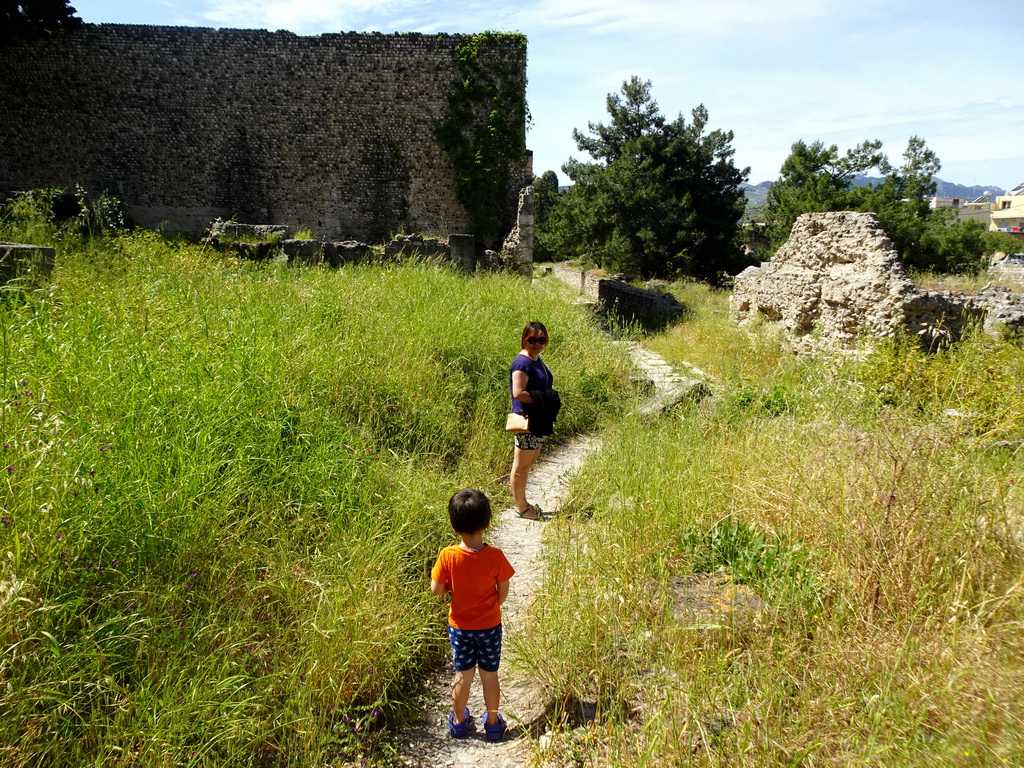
x: 1008, y: 212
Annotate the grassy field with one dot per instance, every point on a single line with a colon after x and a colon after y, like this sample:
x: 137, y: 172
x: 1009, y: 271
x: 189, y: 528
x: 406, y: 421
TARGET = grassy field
x: 224, y: 484
x: 223, y: 487
x: 874, y: 506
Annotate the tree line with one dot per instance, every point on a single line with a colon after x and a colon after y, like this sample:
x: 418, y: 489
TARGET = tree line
x: 27, y: 19
x: 664, y: 198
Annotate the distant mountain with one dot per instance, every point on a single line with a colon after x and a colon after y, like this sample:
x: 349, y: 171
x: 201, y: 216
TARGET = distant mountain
x: 942, y: 188
x: 757, y: 194
x: 949, y: 189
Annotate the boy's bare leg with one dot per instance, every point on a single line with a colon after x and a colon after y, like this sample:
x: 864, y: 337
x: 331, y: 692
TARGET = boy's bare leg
x: 460, y: 692
x: 492, y: 695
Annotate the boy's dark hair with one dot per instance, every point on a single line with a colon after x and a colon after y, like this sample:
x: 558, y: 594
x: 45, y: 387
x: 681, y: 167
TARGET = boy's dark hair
x: 469, y: 510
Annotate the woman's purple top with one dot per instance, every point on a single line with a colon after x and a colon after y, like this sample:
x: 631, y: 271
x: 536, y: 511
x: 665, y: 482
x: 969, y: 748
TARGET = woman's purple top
x: 537, y: 377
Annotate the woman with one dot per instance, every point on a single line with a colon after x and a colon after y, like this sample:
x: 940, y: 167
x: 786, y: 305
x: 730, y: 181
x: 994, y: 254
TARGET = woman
x: 530, y: 375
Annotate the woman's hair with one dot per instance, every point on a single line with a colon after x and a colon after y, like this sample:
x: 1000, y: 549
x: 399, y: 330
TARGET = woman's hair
x: 533, y: 328
x: 469, y: 511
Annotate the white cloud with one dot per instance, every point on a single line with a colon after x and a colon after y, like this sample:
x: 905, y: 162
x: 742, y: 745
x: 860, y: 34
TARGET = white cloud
x: 301, y: 16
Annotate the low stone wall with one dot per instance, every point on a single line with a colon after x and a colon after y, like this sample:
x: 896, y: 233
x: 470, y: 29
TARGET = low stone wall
x: 414, y: 246
x: 586, y: 283
x: 459, y: 250
x: 27, y: 263
x: 839, y: 278
x: 621, y: 299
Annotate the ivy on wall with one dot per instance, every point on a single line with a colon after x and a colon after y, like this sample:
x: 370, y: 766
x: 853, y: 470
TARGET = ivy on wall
x: 484, y: 130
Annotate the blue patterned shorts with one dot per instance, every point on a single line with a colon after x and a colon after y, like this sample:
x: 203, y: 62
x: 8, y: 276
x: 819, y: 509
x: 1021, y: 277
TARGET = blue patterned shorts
x: 475, y: 648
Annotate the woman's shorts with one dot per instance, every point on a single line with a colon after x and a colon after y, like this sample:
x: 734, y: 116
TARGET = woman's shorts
x: 475, y: 648
x: 528, y: 442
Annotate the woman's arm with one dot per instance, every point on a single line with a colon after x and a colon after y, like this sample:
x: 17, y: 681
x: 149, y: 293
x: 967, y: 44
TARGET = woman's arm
x: 519, y: 382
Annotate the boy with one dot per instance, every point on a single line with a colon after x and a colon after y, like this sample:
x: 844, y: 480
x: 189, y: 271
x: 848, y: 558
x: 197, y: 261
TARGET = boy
x: 477, y: 576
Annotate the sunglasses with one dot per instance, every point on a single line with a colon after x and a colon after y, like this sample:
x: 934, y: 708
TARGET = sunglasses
x: 536, y: 339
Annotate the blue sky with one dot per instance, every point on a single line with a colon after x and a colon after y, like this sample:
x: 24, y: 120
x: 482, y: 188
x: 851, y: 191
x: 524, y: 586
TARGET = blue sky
x: 770, y: 71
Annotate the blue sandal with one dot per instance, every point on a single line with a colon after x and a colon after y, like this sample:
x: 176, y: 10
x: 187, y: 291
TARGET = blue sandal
x: 459, y: 730
x: 497, y: 731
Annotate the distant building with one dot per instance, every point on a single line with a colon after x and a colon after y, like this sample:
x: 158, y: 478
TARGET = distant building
x: 972, y: 210
x: 1008, y: 212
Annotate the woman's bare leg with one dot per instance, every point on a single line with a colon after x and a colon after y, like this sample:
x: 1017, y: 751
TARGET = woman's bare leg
x: 521, y: 463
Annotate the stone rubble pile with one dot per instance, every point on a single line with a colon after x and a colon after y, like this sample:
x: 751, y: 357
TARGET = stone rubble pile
x: 839, y: 279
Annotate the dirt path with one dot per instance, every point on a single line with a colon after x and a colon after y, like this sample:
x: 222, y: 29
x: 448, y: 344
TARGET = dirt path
x: 425, y: 743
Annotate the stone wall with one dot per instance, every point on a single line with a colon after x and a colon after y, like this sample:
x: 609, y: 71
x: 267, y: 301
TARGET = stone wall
x: 838, y: 278
x: 517, y: 250
x: 621, y: 299
x: 25, y: 264
x: 261, y: 242
x: 334, y: 133
x: 586, y: 283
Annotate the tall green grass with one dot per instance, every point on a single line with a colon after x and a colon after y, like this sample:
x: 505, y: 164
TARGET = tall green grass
x: 224, y: 484
x: 875, y: 507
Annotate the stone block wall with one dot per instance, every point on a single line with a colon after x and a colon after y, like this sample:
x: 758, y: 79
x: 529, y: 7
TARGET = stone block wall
x: 619, y: 298
x: 646, y: 307
x: 581, y: 280
x: 334, y: 133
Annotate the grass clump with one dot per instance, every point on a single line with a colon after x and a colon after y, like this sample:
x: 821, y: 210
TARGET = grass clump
x: 873, y: 506
x: 224, y: 484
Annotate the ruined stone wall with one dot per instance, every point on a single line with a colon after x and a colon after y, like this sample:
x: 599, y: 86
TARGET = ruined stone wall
x: 334, y: 133
x: 838, y: 279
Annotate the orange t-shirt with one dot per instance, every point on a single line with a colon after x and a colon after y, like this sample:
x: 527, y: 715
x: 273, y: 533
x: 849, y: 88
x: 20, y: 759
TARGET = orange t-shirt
x: 473, y: 578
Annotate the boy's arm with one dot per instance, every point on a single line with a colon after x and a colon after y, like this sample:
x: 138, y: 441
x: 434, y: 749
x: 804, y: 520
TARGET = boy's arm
x: 502, y: 591
x: 440, y: 589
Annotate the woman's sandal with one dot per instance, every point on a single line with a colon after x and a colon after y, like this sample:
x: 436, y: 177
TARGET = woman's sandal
x: 532, y: 508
